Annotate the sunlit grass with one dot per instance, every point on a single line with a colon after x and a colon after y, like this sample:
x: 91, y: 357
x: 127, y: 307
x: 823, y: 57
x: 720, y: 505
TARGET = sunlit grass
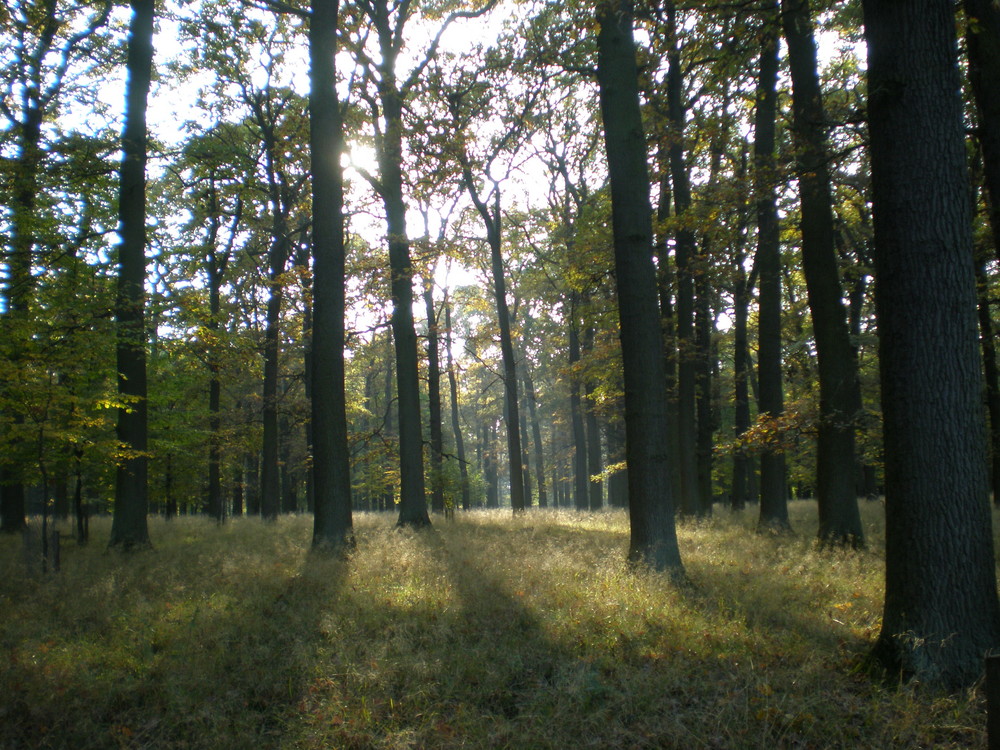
x: 488, y: 631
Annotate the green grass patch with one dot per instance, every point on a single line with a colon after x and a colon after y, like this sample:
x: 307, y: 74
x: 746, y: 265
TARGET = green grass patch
x: 488, y: 631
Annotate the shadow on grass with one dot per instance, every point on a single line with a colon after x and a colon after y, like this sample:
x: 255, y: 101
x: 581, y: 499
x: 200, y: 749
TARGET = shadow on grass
x: 183, y: 647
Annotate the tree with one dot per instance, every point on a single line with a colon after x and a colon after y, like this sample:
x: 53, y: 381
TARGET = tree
x: 333, y: 526
x: 129, y: 530
x: 46, y: 42
x: 941, y: 608
x: 653, y: 538
x: 840, y: 390
x: 773, y: 490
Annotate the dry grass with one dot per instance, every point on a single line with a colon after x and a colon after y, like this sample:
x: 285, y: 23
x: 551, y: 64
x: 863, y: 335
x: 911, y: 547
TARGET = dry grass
x: 486, y: 632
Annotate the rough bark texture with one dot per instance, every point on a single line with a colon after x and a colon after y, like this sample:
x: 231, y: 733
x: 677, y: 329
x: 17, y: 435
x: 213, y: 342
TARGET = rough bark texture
x: 128, y: 529
x: 331, y: 469
x: 941, y: 610
x: 653, y: 537
x: 771, y: 401
x: 839, y: 388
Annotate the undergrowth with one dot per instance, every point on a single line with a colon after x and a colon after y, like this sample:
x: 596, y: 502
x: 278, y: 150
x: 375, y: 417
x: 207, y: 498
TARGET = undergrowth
x: 488, y: 631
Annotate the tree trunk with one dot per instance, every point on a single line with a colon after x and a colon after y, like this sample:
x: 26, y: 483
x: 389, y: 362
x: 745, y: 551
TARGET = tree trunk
x: 771, y: 401
x: 739, y: 492
x: 941, y: 610
x: 412, y: 499
x: 594, y: 462
x: 687, y: 440
x: 434, y: 402
x: 129, y: 530
x: 536, y: 434
x: 456, y: 427
x: 840, y: 391
x: 653, y: 538
x: 581, y: 498
x: 492, y: 219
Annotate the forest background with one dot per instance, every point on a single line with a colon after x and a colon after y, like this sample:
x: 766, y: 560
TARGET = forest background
x: 475, y: 175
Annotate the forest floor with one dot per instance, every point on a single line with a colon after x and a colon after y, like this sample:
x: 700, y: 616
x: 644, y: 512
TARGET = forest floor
x: 483, y: 632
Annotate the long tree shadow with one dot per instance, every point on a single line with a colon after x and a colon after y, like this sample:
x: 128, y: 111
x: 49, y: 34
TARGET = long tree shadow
x: 182, y: 657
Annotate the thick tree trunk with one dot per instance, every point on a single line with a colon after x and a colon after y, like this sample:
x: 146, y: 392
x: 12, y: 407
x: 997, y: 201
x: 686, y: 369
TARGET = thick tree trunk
x: 771, y: 401
x: 413, y: 499
x: 840, y: 390
x: 941, y: 609
x: 129, y: 530
x: 653, y: 538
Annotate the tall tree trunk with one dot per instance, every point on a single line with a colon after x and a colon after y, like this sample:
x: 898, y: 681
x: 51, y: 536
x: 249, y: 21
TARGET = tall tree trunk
x: 581, y: 498
x: 270, y: 474
x: 771, y: 400
x: 594, y: 462
x: 667, y: 321
x: 492, y: 219
x: 434, y: 401
x: 128, y: 529
x: 536, y: 434
x: 704, y: 323
x: 840, y: 390
x: 687, y: 440
x: 941, y: 609
x: 412, y: 499
x: 215, y: 265
x: 653, y: 538
x: 490, y: 464
x: 739, y: 492
x: 456, y: 427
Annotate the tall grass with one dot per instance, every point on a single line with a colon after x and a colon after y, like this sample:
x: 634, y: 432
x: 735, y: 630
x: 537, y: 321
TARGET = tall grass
x: 488, y: 631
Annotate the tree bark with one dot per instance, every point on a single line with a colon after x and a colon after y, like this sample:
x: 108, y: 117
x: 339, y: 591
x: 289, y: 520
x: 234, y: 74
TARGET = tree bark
x: 412, y: 496
x: 653, y: 538
x: 333, y: 525
x: 941, y: 609
x: 840, y: 390
x: 771, y: 401
x: 687, y: 440
x: 129, y: 530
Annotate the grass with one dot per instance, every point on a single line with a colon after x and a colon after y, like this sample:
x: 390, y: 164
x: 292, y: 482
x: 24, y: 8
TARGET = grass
x: 485, y: 632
